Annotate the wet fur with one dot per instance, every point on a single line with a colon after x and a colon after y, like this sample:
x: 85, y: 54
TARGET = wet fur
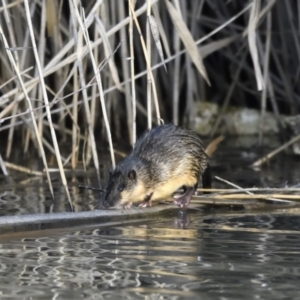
x: 164, y: 159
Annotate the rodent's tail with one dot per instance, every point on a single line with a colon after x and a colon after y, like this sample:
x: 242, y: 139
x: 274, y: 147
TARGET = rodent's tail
x: 211, y: 148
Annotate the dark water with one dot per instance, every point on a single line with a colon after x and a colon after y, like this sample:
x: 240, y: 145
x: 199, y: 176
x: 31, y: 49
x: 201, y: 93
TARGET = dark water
x: 207, y: 253
x: 214, y: 257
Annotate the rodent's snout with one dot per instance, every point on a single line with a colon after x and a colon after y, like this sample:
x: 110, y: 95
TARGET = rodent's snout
x: 108, y: 202
x: 104, y: 201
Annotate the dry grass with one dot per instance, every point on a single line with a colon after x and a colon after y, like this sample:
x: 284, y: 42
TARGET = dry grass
x: 250, y: 197
x: 73, y: 71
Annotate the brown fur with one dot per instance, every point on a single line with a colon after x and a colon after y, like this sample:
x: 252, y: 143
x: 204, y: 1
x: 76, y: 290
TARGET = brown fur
x: 135, y: 195
x: 162, y: 190
x: 166, y: 189
x: 163, y: 160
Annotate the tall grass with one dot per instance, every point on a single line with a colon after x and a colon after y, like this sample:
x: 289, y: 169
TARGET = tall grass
x: 88, y: 71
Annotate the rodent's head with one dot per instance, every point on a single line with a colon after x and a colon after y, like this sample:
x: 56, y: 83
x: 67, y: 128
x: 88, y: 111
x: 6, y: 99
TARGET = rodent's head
x: 119, y: 186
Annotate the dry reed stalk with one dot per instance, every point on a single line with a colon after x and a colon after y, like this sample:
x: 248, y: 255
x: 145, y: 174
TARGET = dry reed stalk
x: 253, y: 20
x: 15, y: 68
x: 8, y: 69
x: 108, y: 53
x: 74, y: 115
x: 54, y: 32
x: 261, y: 14
x: 254, y: 189
x: 132, y: 73
x: 258, y: 196
x: 93, y: 103
x: 59, y: 62
x: 14, y: 77
x: 12, y: 37
x: 126, y: 73
x: 11, y: 32
x: 75, y: 140
x: 201, y: 40
x: 51, y: 8
x: 187, y: 39
x: 55, y: 60
x: 75, y: 126
x: 114, y: 97
x: 231, y: 184
x: 213, y: 145
x: 157, y: 55
x: 47, y: 145
x: 98, y: 78
x: 69, y: 131
x: 7, y: 109
x: 161, y: 32
x: 112, y: 103
x: 205, y: 50
x: 28, y: 137
x: 3, y: 166
x: 215, y: 46
x: 266, y: 56
x: 10, y: 5
x: 147, y: 62
x: 79, y: 49
x: 23, y: 169
x: 148, y: 53
x: 249, y: 193
x: 270, y: 155
x: 191, y: 80
x: 12, y: 129
x: 216, y: 201
x: 176, y: 73
x: 41, y: 49
x: 45, y: 97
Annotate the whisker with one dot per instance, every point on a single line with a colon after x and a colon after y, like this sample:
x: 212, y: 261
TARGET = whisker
x: 140, y: 210
x: 91, y: 188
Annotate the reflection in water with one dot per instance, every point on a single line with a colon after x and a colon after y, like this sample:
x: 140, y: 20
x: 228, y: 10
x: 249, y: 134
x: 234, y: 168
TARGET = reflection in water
x: 213, y: 258
x: 34, y: 196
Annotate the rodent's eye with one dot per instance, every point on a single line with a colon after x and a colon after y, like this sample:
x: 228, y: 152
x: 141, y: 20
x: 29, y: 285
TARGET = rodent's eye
x: 120, y: 188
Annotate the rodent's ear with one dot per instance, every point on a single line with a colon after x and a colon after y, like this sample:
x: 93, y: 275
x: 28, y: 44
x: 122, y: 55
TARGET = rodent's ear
x: 132, y: 174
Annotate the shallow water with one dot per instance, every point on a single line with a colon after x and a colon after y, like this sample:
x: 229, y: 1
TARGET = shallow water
x: 228, y: 256
x: 206, y: 253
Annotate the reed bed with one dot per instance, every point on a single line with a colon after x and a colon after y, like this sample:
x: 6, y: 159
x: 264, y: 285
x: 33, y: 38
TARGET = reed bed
x: 89, y: 73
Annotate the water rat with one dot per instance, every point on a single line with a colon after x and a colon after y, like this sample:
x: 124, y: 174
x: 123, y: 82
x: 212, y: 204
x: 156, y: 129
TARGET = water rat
x: 163, y: 160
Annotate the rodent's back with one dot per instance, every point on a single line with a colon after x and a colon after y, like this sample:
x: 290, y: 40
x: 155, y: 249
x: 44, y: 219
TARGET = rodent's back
x: 169, y: 151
